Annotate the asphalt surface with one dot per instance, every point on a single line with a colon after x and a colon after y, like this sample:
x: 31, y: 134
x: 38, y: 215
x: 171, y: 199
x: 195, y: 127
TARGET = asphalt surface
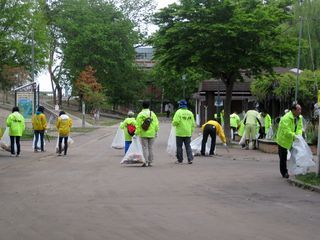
x: 88, y: 195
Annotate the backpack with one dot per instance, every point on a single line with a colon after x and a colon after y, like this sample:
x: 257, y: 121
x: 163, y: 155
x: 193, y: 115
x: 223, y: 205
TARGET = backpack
x: 146, y: 123
x: 131, y: 129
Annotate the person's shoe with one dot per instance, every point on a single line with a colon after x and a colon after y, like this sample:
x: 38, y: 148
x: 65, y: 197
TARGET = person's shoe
x: 285, y: 175
x: 18, y: 155
x: 203, y: 154
x: 144, y: 165
x: 12, y: 155
x: 43, y: 150
x: 59, y: 154
x: 149, y: 164
x: 35, y: 150
x: 178, y: 162
x: 189, y: 162
x: 246, y: 148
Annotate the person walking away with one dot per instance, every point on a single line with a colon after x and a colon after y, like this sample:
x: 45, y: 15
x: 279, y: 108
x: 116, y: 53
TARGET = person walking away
x: 184, y: 122
x: 147, y: 127
x: 290, y: 127
x: 39, y: 124
x: 128, y: 126
x: 16, y: 124
x: 63, y: 124
x: 250, y: 121
x: 234, y: 123
x: 212, y: 128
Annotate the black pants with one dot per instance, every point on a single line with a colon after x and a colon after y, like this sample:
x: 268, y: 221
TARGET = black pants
x: 186, y: 141
x: 17, y: 140
x: 38, y: 133
x: 262, y: 133
x: 208, y: 130
x: 283, y: 160
x: 65, y: 148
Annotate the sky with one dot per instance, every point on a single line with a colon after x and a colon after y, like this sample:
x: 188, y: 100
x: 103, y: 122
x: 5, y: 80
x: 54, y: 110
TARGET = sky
x: 43, y: 78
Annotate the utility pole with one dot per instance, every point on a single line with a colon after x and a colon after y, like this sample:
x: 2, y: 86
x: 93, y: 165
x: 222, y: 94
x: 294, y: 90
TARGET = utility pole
x: 32, y: 73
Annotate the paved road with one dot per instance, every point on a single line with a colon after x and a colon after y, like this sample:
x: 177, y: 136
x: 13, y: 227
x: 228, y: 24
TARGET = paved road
x: 88, y: 195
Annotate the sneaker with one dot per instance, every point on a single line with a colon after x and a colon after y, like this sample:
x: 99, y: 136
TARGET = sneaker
x: 59, y: 154
x: 35, y: 150
x: 149, y: 164
x: 178, y: 162
x: 144, y: 165
x: 12, y: 155
x: 189, y: 162
x: 18, y: 155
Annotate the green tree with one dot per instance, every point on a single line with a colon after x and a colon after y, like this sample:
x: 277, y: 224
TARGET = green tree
x: 225, y: 38
x: 94, y: 33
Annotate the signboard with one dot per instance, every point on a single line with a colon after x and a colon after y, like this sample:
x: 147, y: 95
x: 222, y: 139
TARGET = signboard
x: 218, y: 103
x: 25, y: 102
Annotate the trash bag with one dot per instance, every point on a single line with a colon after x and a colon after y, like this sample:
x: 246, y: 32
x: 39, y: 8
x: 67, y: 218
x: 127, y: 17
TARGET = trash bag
x: 70, y: 142
x: 269, y: 134
x: 38, y: 146
x: 5, y: 141
x: 243, y: 139
x: 118, y: 140
x: 172, y: 146
x: 301, y: 157
x: 196, y: 146
x: 134, y: 154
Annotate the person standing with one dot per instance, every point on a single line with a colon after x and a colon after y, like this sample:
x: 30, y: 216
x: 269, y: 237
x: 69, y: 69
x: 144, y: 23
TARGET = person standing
x: 128, y: 126
x: 250, y: 121
x: 211, y: 128
x: 290, y: 127
x: 63, y: 124
x: 234, y: 123
x: 39, y: 124
x: 265, y: 124
x: 16, y: 124
x: 184, y: 122
x: 147, y: 128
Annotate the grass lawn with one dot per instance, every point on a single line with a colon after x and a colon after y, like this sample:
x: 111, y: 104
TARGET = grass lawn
x: 309, y: 178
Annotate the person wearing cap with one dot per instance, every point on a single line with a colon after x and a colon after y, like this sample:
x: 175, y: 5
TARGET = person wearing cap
x: 148, y: 135
x: 290, y: 127
x: 16, y: 125
x: 63, y: 124
x: 130, y: 120
x: 39, y: 124
x: 212, y: 128
x: 183, y: 121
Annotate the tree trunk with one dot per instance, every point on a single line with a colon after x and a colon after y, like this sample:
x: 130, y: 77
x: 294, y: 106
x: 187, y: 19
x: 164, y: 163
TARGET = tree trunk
x: 59, y: 88
x: 227, y: 108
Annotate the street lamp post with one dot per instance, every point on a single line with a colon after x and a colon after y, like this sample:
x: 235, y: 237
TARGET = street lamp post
x: 184, y: 77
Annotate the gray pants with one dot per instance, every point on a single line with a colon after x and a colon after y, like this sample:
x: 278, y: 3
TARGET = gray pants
x: 186, y: 141
x: 147, y: 144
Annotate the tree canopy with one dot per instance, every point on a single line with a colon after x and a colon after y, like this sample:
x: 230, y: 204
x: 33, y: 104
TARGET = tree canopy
x: 224, y: 38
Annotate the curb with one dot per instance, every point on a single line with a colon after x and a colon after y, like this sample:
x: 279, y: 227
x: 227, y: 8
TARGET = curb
x: 303, y: 185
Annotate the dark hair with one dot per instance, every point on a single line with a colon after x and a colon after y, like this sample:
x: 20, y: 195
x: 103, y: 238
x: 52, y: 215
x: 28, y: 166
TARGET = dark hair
x: 145, y: 104
x: 40, y: 109
x: 15, y: 109
x: 61, y: 112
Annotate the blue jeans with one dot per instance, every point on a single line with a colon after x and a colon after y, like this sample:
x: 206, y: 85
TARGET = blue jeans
x: 126, y: 146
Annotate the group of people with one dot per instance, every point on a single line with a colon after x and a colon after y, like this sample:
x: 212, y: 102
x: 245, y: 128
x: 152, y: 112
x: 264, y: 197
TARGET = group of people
x: 16, y: 124
x: 184, y: 123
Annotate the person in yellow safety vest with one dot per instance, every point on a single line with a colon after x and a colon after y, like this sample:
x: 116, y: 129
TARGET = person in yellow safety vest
x: 250, y: 122
x: 234, y: 123
x: 290, y: 127
x: 266, y: 123
x: 211, y: 128
x: 39, y: 124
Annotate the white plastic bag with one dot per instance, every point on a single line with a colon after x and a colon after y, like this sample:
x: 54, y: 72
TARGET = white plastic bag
x: 70, y: 142
x: 172, y: 146
x: 196, y: 146
x: 301, y: 157
x: 134, y: 154
x: 269, y: 134
x: 5, y: 140
x: 118, y: 140
x: 243, y: 139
